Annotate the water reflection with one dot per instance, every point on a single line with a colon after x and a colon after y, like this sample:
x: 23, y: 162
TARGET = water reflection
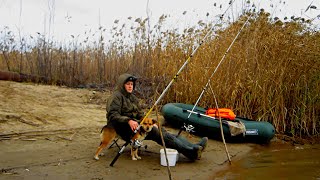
x: 276, y: 162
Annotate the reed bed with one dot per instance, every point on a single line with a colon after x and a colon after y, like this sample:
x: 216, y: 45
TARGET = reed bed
x: 272, y: 72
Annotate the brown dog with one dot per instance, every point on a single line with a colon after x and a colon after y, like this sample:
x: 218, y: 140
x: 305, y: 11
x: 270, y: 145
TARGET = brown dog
x: 109, y: 133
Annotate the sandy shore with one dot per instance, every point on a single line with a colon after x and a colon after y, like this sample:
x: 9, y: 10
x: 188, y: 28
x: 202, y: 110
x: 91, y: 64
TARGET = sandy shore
x: 49, y: 132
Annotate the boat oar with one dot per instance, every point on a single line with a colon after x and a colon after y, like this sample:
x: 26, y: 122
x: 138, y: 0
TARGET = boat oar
x: 198, y: 114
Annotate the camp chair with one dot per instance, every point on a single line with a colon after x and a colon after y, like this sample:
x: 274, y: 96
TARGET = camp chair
x: 121, y: 149
x: 119, y: 152
x: 115, y: 142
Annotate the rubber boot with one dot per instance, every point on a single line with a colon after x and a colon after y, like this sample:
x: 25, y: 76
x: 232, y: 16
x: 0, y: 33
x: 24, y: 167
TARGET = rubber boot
x: 191, y: 151
x: 203, y: 143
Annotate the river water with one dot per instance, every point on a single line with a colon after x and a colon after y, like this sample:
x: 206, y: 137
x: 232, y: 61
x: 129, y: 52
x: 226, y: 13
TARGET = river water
x: 277, y: 161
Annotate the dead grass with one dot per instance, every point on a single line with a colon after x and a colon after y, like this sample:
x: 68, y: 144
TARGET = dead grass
x: 272, y: 72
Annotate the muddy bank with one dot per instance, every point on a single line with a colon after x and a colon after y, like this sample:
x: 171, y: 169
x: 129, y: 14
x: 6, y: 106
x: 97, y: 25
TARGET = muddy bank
x: 50, y: 132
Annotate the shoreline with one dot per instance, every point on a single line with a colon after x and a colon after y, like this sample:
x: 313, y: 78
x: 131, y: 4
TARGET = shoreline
x: 50, y: 132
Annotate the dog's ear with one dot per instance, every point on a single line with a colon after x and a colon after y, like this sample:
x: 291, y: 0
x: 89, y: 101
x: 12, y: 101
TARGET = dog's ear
x: 154, y: 121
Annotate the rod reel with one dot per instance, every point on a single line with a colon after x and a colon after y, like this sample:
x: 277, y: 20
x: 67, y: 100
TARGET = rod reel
x: 136, y: 144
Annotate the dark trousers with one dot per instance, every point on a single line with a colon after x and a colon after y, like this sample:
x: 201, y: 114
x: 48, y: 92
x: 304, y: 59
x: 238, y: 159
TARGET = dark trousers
x: 171, y: 141
x: 123, y: 129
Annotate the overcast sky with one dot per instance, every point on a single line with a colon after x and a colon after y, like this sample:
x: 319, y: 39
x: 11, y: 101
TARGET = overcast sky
x: 72, y: 17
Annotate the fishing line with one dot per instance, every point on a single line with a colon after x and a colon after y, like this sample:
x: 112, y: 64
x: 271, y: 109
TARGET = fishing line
x: 209, y: 80
x: 185, y: 63
x: 172, y: 81
x: 208, y: 83
x: 222, y: 59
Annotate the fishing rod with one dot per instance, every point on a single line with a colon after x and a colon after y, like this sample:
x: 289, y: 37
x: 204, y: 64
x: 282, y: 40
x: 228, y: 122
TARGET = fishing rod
x: 185, y: 63
x: 222, y: 59
x: 221, y: 128
x: 170, y: 83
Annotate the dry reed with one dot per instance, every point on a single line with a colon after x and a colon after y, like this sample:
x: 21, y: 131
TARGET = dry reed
x: 272, y: 72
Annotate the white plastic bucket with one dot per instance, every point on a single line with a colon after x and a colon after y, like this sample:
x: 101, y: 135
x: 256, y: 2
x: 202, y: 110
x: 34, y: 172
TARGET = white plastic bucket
x: 172, y: 154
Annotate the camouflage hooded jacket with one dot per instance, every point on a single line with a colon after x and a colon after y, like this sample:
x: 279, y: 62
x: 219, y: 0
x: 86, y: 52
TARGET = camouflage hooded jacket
x: 123, y: 106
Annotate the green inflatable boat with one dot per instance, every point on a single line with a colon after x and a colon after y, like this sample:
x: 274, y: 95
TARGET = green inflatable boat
x: 238, y: 130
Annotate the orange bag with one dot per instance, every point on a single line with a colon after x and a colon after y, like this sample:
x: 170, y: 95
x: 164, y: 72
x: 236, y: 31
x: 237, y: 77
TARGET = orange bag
x: 224, y: 113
